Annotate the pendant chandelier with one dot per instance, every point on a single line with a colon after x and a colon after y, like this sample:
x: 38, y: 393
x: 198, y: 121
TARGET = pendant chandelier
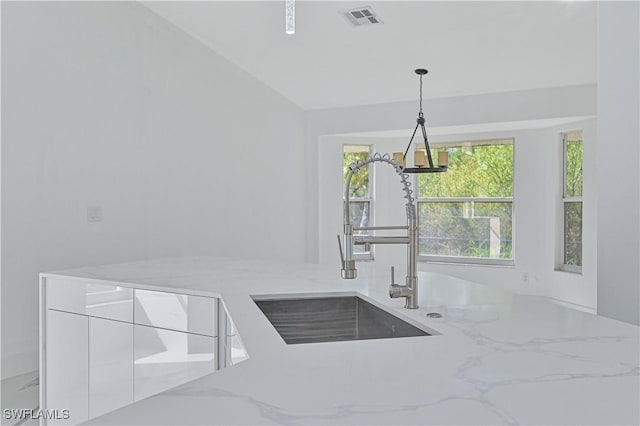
x: 423, y: 163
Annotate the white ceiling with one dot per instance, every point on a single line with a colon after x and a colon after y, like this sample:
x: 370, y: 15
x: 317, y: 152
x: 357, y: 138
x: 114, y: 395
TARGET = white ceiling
x: 468, y: 47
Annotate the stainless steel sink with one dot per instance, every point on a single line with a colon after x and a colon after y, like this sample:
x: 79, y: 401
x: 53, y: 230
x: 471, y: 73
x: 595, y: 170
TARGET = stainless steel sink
x: 331, y: 319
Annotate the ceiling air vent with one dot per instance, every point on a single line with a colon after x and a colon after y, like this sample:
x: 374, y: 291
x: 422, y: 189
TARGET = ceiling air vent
x: 362, y: 16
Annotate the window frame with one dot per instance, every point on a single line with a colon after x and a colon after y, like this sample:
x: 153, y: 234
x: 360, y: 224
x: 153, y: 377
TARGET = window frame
x: 564, y: 199
x: 469, y: 260
x: 369, y: 255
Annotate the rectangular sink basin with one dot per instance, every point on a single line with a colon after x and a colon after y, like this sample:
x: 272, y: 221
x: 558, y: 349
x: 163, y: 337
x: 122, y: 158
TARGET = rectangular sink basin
x: 333, y: 319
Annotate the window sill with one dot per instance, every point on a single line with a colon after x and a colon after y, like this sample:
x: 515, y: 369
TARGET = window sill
x: 467, y: 261
x: 574, y: 270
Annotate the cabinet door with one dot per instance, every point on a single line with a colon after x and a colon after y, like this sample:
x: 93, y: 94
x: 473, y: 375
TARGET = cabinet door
x: 67, y: 369
x: 165, y: 359
x: 110, y: 365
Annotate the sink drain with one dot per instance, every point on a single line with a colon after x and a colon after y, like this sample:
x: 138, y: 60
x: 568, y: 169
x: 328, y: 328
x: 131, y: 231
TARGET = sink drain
x: 434, y: 315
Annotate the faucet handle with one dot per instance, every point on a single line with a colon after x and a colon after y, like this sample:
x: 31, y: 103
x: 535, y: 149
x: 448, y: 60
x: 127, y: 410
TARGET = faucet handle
x: 396, y: 290
x: 341, y: 252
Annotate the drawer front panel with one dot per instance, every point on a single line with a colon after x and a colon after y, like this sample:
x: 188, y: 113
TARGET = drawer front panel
x: 180, y: 312
x: 98, y: 300
x: 165, y: 359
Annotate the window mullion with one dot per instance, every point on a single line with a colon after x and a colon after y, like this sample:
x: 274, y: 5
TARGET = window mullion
x: 572, y: 199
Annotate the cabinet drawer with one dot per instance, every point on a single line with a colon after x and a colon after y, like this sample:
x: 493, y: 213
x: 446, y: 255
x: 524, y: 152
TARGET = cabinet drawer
x: 97, y: 300
x: 166, y: 358
x: 180, y: 312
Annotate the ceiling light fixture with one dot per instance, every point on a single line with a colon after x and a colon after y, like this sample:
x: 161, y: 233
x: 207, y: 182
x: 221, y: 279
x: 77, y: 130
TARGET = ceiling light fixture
x: 423, y: 163
x: 290, y: 16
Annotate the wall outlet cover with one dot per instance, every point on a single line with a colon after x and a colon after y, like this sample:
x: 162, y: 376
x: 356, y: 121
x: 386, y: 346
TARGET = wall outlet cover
x: 94, y: 214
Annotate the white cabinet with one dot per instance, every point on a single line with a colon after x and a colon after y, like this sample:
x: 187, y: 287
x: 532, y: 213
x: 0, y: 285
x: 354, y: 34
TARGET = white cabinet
x: 166, y: 358
x: 67, y: 374
x: 110, y: 365
x: 180, y: 312
x: 106, y: 345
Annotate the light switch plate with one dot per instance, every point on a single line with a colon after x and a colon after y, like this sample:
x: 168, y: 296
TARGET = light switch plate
x: 94, y: 214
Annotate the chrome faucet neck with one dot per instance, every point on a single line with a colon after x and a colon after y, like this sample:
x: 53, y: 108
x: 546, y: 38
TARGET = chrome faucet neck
x: 410, y: 289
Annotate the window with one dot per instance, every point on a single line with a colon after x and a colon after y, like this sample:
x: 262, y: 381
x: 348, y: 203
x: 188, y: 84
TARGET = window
x: 466, y: 214
x: 360, y: 208
x: 572, y: 201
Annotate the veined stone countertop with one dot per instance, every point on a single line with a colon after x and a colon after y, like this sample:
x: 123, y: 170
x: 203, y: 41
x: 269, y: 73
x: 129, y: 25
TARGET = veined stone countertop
x: 501, y: 358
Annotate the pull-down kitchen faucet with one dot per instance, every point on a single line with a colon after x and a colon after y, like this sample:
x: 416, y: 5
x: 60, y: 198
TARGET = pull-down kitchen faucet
x: 410, y: 290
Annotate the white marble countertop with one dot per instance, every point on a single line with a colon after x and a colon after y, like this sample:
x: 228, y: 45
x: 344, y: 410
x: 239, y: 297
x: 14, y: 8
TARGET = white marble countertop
x: 500, y: 358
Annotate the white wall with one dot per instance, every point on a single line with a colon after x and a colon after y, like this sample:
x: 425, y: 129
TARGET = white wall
x: 105, y: 103
x: 619, y: 156
x: 537, y: 206
x: 573, y: 101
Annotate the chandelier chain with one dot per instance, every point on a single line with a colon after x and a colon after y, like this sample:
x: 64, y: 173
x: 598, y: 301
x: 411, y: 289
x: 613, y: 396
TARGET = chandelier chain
x: 421, y: 95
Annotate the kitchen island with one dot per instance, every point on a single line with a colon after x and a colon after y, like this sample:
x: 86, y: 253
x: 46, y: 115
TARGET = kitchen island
x: 499, y: 358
